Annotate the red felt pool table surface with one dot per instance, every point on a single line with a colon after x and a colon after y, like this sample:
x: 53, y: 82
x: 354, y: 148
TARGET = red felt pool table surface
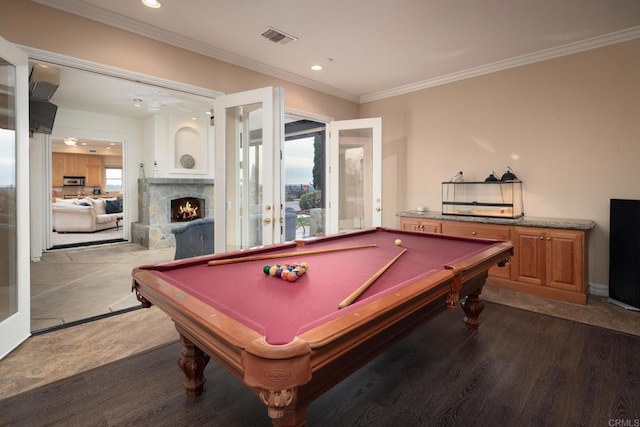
x: 288, y: 341
x: 280, y: 310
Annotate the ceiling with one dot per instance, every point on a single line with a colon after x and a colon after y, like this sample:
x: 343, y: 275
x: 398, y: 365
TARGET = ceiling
x: 87, y: 146
x: 371, y: 49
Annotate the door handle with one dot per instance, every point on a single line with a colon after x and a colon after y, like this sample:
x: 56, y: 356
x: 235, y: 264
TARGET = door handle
x: 267, y: 221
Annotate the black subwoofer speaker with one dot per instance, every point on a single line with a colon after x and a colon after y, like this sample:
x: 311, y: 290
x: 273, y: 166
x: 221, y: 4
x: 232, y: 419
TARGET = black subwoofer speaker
x: 624, y: 253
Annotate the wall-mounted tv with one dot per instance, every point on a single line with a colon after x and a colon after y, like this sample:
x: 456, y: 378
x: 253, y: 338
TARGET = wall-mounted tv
x: 41, y: 116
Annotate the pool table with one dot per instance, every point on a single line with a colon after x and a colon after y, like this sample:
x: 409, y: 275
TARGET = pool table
x: 288, y: 341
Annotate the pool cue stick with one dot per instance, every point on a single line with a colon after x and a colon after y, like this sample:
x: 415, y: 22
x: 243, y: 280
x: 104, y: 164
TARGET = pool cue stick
x: 351, y: 298
x: 285, y: 254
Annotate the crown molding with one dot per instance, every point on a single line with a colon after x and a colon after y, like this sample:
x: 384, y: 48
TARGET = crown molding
x: 103, y: 16
x: 98, y: 14
x: 518, y: 61
x: 106, y: 70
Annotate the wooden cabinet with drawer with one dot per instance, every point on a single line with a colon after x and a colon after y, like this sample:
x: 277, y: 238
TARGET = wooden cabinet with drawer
x: 415, y: 224
x: 548, y: 262
x: 484, y: 231
x: 550, y: 259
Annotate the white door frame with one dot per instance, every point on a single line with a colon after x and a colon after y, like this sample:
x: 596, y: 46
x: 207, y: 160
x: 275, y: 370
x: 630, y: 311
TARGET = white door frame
x: 271, y: 99
x: 375, y: 211
x: 16, y: 328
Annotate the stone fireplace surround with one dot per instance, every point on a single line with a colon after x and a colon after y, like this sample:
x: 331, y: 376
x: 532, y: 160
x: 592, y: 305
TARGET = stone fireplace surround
x: 153, y: 229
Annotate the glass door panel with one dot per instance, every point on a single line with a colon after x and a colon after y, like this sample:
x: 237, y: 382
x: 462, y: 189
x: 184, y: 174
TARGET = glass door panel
x: 8, y: 226
x: 304, y: 179
x: 247, y: 169
x: 14, y: 209
x: 356, y: 175
x: 244, y: 176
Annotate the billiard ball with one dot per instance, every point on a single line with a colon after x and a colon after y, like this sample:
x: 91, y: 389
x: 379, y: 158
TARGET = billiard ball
x: 398, y: 242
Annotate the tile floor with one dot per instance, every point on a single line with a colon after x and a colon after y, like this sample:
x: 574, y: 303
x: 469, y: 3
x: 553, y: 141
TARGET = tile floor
x: 73, y: 284
x: 68, y: 285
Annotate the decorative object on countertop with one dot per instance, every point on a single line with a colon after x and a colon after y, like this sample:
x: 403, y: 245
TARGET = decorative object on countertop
x: 155, y: 168
x: 492, y: 177
x: 141, y: 171
x: 421, y: 209
x: 457, y: 177
x: 495, y: 199
x: 509, y: 175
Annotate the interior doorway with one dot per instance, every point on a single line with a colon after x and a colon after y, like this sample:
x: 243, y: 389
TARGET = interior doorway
x: 87, y: 183
x: 96, y: 104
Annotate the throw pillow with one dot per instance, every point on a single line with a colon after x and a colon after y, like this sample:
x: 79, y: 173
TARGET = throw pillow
x: 99, y: 206
x: 113, y: 206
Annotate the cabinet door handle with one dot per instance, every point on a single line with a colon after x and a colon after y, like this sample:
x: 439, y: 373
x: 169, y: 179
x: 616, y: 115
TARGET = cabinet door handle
x: 549, y: 238
x: 541, y: 237
x: 473, y: 233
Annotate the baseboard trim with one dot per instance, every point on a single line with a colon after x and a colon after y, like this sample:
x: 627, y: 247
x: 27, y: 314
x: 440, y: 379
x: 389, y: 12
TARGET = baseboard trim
x: 599, y: 289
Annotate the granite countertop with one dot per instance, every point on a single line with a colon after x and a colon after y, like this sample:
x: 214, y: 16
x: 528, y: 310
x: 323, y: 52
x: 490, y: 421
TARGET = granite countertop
x: 526, y: 221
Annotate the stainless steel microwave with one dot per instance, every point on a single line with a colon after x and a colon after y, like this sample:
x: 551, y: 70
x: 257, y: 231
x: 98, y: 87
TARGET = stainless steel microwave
x: 73, y: 180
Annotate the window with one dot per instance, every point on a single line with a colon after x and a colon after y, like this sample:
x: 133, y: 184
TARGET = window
x: 114, y: 179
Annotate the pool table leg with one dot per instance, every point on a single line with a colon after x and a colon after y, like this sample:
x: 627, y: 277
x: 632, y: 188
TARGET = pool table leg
x: 283, y: 409
x: 472, y: 307
x: 192, y: 361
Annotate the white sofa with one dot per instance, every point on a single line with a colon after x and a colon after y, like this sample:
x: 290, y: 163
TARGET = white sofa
x: 83, y: 215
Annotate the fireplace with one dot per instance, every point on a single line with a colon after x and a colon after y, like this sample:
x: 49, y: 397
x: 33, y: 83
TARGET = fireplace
x: 157, y: 210
x: 187, y: 209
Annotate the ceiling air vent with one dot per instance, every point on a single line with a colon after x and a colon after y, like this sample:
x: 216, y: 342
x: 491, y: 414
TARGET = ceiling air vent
x: 278, y: 36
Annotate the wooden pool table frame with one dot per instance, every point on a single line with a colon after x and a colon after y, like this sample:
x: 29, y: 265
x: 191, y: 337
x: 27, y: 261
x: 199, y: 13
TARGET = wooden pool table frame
x: 287, y: 378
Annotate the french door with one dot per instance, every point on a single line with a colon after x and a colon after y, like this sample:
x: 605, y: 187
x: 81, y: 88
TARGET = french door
x: 14, y: 198
x: 355, y: 165
x: 248, y: 198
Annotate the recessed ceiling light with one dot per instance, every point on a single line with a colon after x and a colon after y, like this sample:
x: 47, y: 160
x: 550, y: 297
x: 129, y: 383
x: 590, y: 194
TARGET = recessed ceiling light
x: 151, y: 3
x: 71, y: 141
x: 108, y: 148
x: 317, y: 67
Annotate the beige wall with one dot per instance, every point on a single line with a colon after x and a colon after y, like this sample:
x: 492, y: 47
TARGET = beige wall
x: 569, y: 127
x: 30, y: 24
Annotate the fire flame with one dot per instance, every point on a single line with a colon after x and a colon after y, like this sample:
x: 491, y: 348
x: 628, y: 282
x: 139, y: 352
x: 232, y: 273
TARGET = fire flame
x: 187, y: 211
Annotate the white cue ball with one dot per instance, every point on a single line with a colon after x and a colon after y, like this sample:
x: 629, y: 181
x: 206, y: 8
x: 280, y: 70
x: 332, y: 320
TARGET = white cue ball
x: 398, y: 242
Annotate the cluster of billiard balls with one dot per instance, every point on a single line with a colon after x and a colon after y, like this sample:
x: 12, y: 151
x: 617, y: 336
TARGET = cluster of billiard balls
x: 290, y: 272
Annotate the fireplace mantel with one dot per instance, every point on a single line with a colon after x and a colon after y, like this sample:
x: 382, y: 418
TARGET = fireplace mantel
x: 153, y: 229
x: 177, y: 181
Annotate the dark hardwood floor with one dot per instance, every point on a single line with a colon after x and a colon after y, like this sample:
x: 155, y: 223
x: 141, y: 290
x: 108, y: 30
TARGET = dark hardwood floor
x: 521, y: 369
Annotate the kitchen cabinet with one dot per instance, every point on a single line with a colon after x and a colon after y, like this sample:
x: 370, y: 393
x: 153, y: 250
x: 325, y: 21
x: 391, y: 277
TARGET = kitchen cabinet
x: 67, y: 164
x: 94, y: 171
x: 57, y: 169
